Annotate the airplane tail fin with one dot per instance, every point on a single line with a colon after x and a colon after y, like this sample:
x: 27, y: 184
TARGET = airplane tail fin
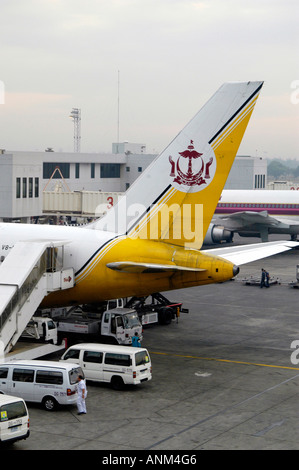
x: 174, y: 199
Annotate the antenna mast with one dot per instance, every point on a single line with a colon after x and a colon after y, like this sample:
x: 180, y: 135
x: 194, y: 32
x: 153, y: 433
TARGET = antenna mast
x: 118, y: 112
x: 76, y: 116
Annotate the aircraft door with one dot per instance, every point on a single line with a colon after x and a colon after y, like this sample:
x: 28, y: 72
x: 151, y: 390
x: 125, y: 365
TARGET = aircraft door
x: 54, y: 258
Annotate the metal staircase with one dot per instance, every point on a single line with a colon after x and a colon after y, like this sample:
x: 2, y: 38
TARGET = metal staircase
x: 29, y: 272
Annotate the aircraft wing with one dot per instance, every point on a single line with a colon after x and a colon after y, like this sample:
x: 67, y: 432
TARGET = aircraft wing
x: 247, y: 218
x: 243, y: 254
x: 132, y: 267
x: 287, y: 222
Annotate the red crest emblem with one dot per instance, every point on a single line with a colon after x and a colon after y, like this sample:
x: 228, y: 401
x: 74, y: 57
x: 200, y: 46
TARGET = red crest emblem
x: 191, y: 177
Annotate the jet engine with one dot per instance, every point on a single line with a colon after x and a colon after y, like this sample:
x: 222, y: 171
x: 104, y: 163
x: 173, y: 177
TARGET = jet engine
x: 217, y: 234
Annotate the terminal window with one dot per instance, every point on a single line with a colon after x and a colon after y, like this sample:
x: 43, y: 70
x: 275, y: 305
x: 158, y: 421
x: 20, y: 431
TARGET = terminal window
x: 30, y: 188
x: 36, y: 187
x: 259, y: 181
x: 24, y: 190
x: 18, y: 188
x: 50, y: 169
x: 77, y: 170
x: 110, y: 170
x: 21, y: 187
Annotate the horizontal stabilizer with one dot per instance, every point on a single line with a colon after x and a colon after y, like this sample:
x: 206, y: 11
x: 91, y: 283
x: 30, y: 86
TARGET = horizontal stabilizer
x: 247, y: 253
x: 131, y: 267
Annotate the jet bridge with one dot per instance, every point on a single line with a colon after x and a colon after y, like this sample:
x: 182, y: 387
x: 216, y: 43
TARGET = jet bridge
x: 29, y: 272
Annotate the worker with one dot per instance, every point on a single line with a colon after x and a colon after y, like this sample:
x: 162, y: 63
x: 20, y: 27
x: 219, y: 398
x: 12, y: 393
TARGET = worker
x: 265, y: 277
x: 136, y: 341
x: 82, y: 394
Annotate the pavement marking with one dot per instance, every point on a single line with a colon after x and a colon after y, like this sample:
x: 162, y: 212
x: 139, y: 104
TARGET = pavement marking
x: 225, y: 410
x: 223, y: 360
x: 202, y: 374
x: 269, y: 428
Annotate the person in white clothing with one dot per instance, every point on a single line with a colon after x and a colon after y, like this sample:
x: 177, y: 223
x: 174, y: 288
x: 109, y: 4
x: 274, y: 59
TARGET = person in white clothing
x: 82, y: 393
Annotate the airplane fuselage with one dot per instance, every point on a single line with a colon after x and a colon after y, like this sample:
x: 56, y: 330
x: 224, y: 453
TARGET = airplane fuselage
x: 256, y: 213
x: 282, y: 203
x: 89, y: 251
x: 164, y: 215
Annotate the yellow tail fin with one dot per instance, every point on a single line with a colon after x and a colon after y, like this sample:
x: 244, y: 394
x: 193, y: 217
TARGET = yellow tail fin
x: 175, y: 198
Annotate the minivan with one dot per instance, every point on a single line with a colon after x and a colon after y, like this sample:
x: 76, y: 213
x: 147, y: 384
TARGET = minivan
x: 14, y: 419
x: 118, y: 365
x: 46, y: 382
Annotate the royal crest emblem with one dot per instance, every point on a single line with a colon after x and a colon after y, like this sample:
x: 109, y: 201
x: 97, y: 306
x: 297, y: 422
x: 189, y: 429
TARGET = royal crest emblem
x: 194, y: 171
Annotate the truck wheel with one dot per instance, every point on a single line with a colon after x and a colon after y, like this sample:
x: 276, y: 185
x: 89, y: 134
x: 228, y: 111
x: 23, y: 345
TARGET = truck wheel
x: 49, y: 403
x: 117, y: 383
x: 165, y: 316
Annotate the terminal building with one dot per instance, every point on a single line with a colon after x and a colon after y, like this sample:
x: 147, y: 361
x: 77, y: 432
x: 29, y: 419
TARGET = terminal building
x: 39, y: 184
x: 248, y: 173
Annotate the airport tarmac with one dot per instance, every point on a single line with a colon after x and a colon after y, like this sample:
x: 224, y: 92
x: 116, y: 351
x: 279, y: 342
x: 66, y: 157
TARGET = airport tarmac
x: 223, y: 378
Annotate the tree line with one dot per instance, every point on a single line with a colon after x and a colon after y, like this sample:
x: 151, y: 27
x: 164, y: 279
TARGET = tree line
x: 283, y: 169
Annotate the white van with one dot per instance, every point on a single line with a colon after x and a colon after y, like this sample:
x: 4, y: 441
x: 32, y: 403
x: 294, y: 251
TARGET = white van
x: 118, y: 365
x: 14, y: 419
x: 49, y: 383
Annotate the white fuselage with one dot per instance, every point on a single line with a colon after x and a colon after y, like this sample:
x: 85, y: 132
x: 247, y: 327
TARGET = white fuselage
x: 282, y: 203
x: 82, y: 242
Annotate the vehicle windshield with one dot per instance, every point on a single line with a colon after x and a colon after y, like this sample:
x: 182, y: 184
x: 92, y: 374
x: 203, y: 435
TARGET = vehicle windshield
x: 12, y: 411
x: 142, y: 358
x: 131, y: 320
x: 51, y: 325
x: 73, y: 374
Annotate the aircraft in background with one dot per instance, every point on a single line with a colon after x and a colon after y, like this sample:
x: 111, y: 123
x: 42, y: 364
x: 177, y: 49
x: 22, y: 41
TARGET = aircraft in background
x: 254, y: 213
x: 151, y: 241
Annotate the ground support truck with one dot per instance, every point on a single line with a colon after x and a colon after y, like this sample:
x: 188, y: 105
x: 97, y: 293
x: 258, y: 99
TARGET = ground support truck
x: 39, y: 339
x: 113, y: 322
x: 113, y: 326
x: 156, y: 309
x: 44, y: 335
x: 116, y: 320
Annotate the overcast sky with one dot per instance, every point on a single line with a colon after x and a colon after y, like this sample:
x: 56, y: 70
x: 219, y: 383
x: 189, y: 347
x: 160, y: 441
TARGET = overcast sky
x: 170, y: 56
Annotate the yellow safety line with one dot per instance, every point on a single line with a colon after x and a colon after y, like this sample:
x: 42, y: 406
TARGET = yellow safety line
x: 223, y: 360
